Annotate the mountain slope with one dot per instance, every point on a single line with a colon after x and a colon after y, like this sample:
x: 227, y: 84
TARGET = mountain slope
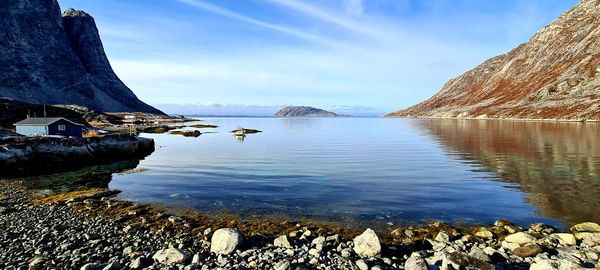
x: 556, y: 75
x: 53, y: 59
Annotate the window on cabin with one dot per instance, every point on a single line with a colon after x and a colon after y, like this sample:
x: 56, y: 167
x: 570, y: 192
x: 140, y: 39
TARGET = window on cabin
x: 62, y: 127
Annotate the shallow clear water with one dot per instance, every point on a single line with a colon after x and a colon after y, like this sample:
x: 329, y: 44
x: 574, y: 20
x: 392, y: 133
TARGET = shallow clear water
x: 374, y: 169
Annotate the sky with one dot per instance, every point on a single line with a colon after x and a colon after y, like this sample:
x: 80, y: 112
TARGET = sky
x: 356, y: 57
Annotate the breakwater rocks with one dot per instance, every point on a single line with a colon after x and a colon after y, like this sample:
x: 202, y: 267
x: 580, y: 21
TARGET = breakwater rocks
x: 82, y: 231
x: 34, y: 155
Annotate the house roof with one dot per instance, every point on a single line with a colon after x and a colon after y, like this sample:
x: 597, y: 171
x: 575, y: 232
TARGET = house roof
x: 42, y: 121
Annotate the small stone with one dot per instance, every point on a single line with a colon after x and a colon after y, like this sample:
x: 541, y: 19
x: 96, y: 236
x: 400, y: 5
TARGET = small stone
x: 282, y: 241
x: 509, y: 246
x: 362, y: 265
x: 319, y: 240
x: 88, y: 266
x: 460, y: 260
x: 443, y: 237
x: 367, y: 244
x: 139, y: 263
x: 546, y: 264
x: 566, y: 239
x: 502, y: 223
x: 520, y: 238
x: 37, y: 262
x: 128, y: 250
x: 225, y: 241
x: 527, y: 251
x: 252, y: 264
x: 282, y: 265
x: 170, y: 256
x: 586, y: 227
x: 416, y: 262
x: 484, y: 233
x: 112, y: 266
x: 588, y: 238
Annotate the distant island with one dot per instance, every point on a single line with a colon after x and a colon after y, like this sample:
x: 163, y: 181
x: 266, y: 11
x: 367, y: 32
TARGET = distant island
x: 304, y: 111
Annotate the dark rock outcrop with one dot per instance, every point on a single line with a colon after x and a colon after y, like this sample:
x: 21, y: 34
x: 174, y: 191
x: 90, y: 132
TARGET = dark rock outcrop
x: 47, y: 58
x: 38, y: 155
x: 303, y: 111
x: 556, y: 75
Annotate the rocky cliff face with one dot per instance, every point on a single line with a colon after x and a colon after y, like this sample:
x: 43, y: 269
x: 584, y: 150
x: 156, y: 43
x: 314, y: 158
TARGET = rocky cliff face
x: 303, y: 111
x: 52, y: 59
x: 556, y: 75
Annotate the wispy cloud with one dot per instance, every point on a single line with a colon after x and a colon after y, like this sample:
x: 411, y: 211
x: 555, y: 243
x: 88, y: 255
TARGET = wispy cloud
x: 276, y: 27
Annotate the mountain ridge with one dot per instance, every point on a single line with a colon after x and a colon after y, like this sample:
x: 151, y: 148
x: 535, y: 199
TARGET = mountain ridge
x: 555, y: 75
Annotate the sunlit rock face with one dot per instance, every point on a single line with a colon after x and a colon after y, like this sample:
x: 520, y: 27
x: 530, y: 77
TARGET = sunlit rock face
x: 556, y: 75
x: 557, y: 165
x: 49, y: 58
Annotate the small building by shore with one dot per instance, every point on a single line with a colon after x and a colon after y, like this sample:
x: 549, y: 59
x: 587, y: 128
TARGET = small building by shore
x: 44, y: 126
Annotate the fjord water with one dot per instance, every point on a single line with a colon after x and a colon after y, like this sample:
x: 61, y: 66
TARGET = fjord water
x: 378, y: 170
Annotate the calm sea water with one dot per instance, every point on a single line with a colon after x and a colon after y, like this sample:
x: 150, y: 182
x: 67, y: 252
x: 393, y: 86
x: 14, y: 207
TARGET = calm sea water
x: 378, y: 170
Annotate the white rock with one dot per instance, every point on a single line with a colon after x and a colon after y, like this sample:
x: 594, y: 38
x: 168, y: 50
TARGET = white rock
x: 283, y: 265
x: 112, y: 266
x: 170, y: 256
x: 367, y: 244
x: 196, y: 259
x: 415, y: 262
x: 443, y: 237
x: 553, y: 265
x: 588, y: 238
x: 225, y: 241
x: 510, y: 246
x: 586, y: 227
x: 282, y: 241
x: 88, y: 266
x: 362, y: 265
x: 520, y: 238
x: 566, y: 239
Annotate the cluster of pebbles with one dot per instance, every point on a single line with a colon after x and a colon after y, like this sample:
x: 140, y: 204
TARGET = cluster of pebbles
x: 67, y: 235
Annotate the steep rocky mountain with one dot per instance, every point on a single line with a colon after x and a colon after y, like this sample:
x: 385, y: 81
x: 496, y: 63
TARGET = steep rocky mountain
x: 49, y: 58
x: 303, y: 111
x: 556, y: 75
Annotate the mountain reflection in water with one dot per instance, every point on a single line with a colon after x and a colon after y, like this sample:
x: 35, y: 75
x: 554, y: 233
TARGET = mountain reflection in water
x: 556, y: 164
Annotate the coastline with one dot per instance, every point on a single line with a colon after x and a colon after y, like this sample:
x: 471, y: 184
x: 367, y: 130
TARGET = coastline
x: 101, y: 231
x: 550, y: 120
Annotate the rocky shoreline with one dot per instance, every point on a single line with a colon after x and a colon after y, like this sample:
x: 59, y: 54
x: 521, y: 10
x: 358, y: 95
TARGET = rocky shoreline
x: 36, y: 155
x: 90, y: 229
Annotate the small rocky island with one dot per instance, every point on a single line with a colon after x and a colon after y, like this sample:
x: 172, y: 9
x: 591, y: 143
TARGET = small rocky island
x: 304, y: 111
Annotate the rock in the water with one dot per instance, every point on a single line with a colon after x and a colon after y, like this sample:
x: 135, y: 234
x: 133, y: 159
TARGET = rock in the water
x: 520, y: 238
x: 586, y: 227
x: 527, y: 251
x: 88, y: 266
x: 415, y: 262
x: 225, y: 241
x: 367, y: 244
x: 170, y: 256
x: 282, y: 241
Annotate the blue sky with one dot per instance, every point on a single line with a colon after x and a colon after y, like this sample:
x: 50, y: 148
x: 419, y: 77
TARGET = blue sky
x: 361, y: 57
